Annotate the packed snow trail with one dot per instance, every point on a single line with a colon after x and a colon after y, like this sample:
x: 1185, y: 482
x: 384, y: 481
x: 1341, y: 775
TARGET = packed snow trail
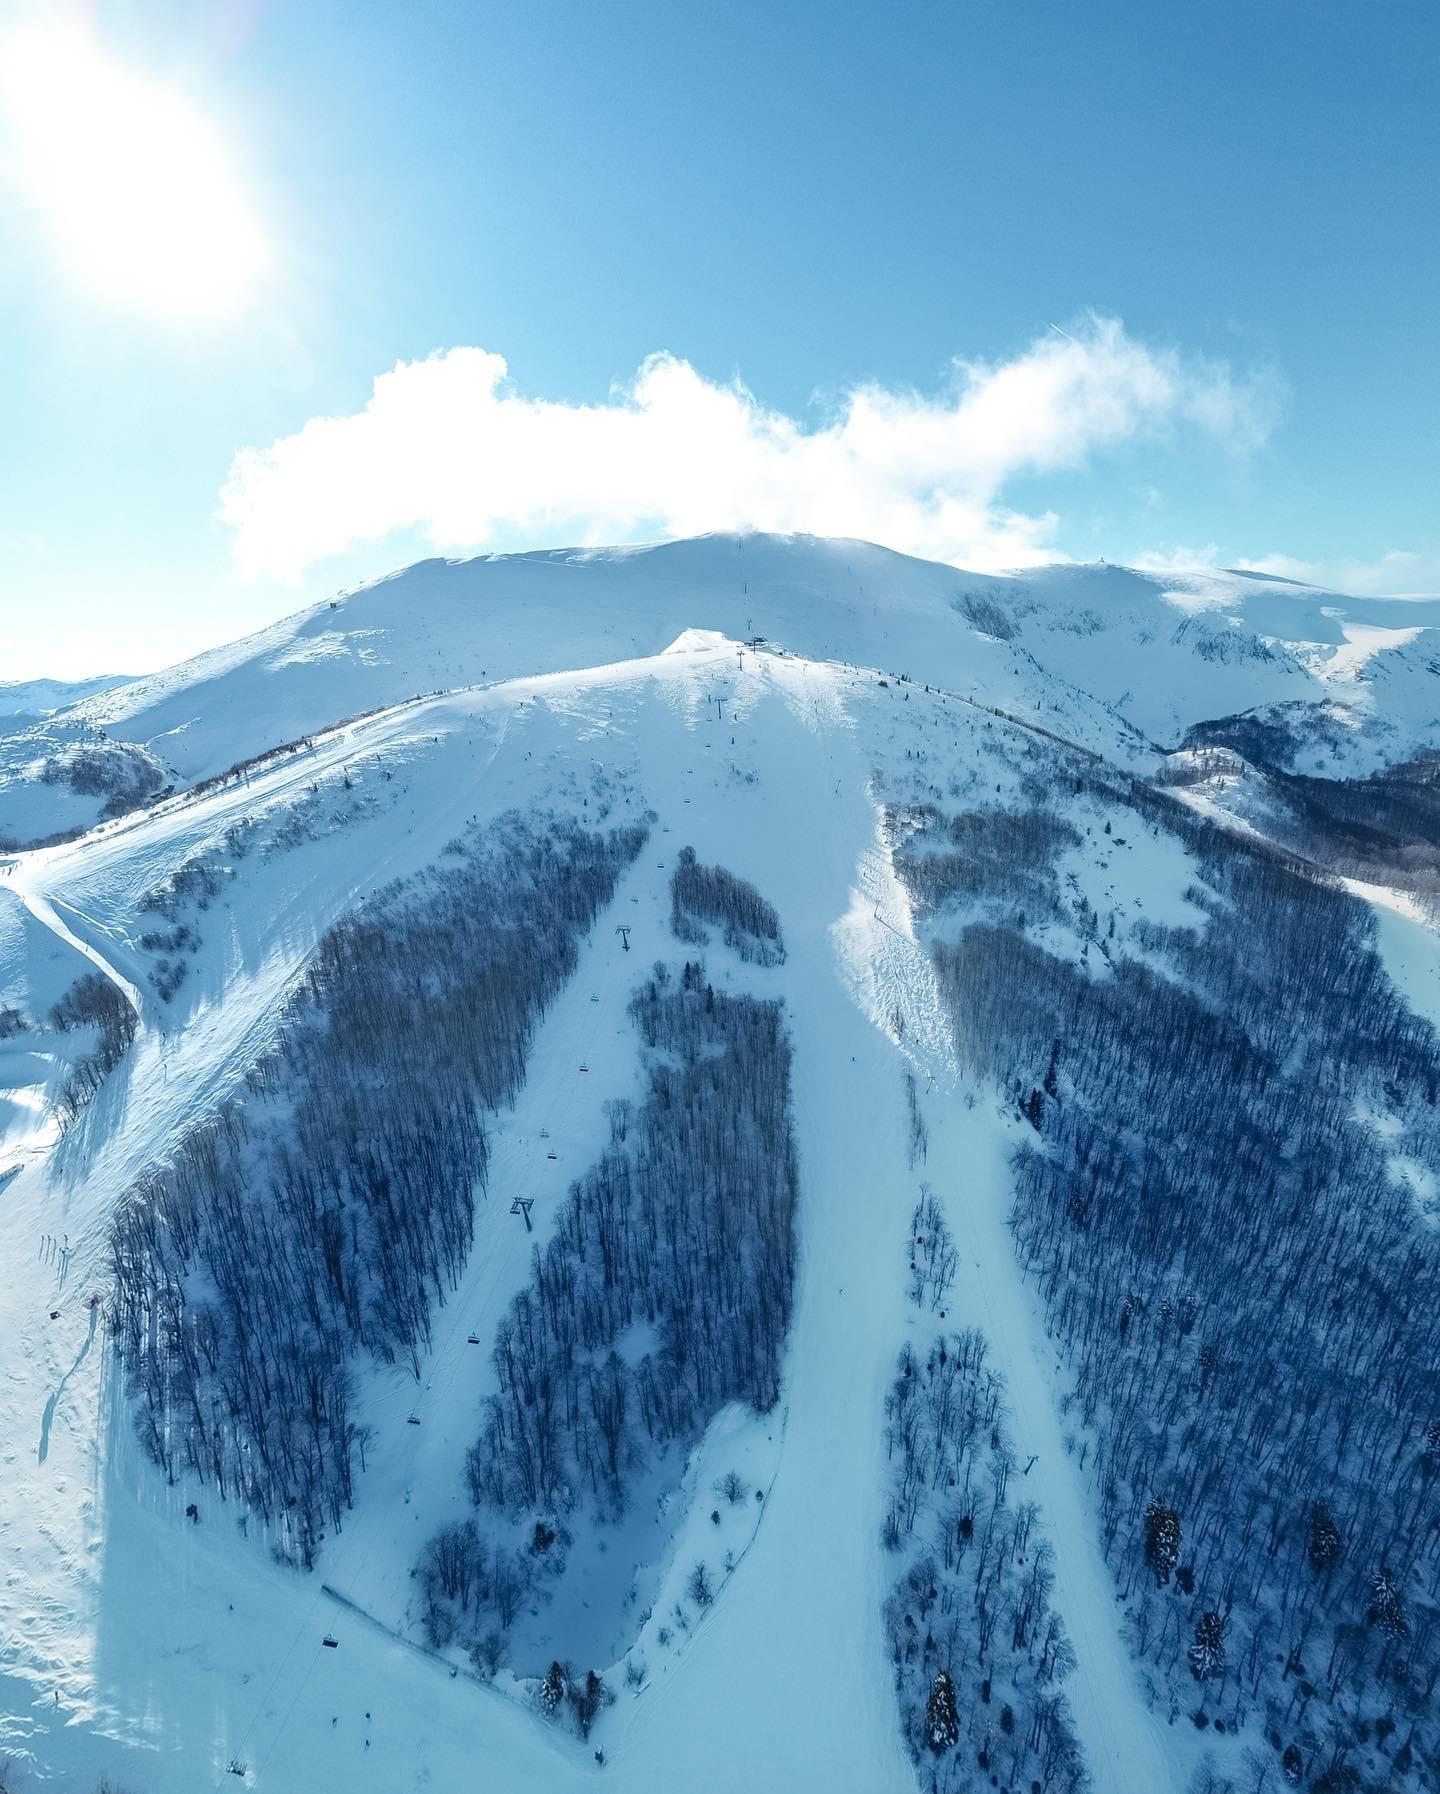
x: 176, y: 1648
x: 414, y: 1481
x: 46, y: 911
x: 1125, y: 1744
x: 967, y: 1164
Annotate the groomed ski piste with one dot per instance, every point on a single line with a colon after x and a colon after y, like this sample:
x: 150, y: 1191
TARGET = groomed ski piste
x: 176, y: 1657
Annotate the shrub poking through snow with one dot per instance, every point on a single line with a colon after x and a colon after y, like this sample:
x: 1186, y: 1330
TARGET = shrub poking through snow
x: 1387, y: 1604
x: 1323, y: 1545
x: 553, y: 1689
x: 733, y: 1487
x: 942, y: 1723
x: 1207, y: 1654
x: 586, y: 1698
x: 698, y: 1586
x: 1162, y: 1541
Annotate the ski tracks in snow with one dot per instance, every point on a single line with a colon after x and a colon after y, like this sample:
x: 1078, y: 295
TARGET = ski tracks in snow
x: 756, y: 762
x: 967, y: 1163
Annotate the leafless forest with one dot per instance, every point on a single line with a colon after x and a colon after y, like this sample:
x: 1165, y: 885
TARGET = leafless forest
x: 663, y: 1294
x: 1215, y: 1205
x: 327, y: 1210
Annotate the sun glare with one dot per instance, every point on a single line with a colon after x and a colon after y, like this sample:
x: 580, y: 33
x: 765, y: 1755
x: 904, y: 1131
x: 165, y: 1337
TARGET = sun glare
x: 131, y: 183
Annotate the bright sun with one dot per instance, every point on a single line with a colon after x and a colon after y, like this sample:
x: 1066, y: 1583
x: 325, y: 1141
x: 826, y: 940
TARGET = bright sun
x: 130, y: 181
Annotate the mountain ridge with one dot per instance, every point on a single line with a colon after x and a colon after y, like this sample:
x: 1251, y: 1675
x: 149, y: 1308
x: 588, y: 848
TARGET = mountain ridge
x: 1163, y: 652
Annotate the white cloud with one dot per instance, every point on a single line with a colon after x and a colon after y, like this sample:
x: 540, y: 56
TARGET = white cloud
x: 126, y: 175
x: 1179, y: 560
x: 447, y: 447
x: 1399, y: 573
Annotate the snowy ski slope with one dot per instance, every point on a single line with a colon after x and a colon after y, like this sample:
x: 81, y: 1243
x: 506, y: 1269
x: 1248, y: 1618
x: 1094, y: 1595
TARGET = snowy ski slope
x: 1092, y: 646
x: 164, y: 1653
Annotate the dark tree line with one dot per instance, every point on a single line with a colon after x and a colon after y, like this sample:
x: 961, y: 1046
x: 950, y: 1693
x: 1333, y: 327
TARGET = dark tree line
x: 126, y: 776
x: 1244, y: 1286
x: 663, y: 1294
x: 93, y: 1001
x: 1383, y: 827
x: 701, y: 894
x: 983, y: 858
x: 200, y: 879
x: 979, y: 1654
x: 327, y: 1213
x: 239, y: 770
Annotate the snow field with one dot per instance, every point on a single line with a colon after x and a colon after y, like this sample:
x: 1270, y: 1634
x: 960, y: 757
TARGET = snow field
x: 160, y: 1652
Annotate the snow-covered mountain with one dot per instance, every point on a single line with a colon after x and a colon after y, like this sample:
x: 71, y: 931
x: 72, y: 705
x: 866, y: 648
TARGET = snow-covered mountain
x: 43, y: 697
x: 1348, y: 683
x: 843, y: 1150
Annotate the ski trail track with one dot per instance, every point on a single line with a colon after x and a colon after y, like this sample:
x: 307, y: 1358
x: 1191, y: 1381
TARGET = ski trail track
x: 414, y: 1481
x: 967, y: 1164
x: 55, y: 1543
x: 47, y: 912
x: 193, y: 1648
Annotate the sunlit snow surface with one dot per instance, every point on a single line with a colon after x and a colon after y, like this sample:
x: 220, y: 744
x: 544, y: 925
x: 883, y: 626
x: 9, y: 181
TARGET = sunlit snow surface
x: 160, y: 1652
x: 1094, y: 645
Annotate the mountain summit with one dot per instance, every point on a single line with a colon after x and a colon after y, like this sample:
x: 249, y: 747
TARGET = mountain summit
x: 1343, y: 684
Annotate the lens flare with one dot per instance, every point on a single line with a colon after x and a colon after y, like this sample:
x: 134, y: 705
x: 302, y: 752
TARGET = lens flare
x: 132, y: 184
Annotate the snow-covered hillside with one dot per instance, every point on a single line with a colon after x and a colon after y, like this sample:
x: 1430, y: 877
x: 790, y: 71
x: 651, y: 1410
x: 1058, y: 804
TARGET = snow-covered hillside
x: 1350, y: 680
x: 950, y: 815
x: 43, y: 697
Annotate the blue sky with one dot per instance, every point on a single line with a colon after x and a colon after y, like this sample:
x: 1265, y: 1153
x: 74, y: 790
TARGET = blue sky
x: 850, y: 229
